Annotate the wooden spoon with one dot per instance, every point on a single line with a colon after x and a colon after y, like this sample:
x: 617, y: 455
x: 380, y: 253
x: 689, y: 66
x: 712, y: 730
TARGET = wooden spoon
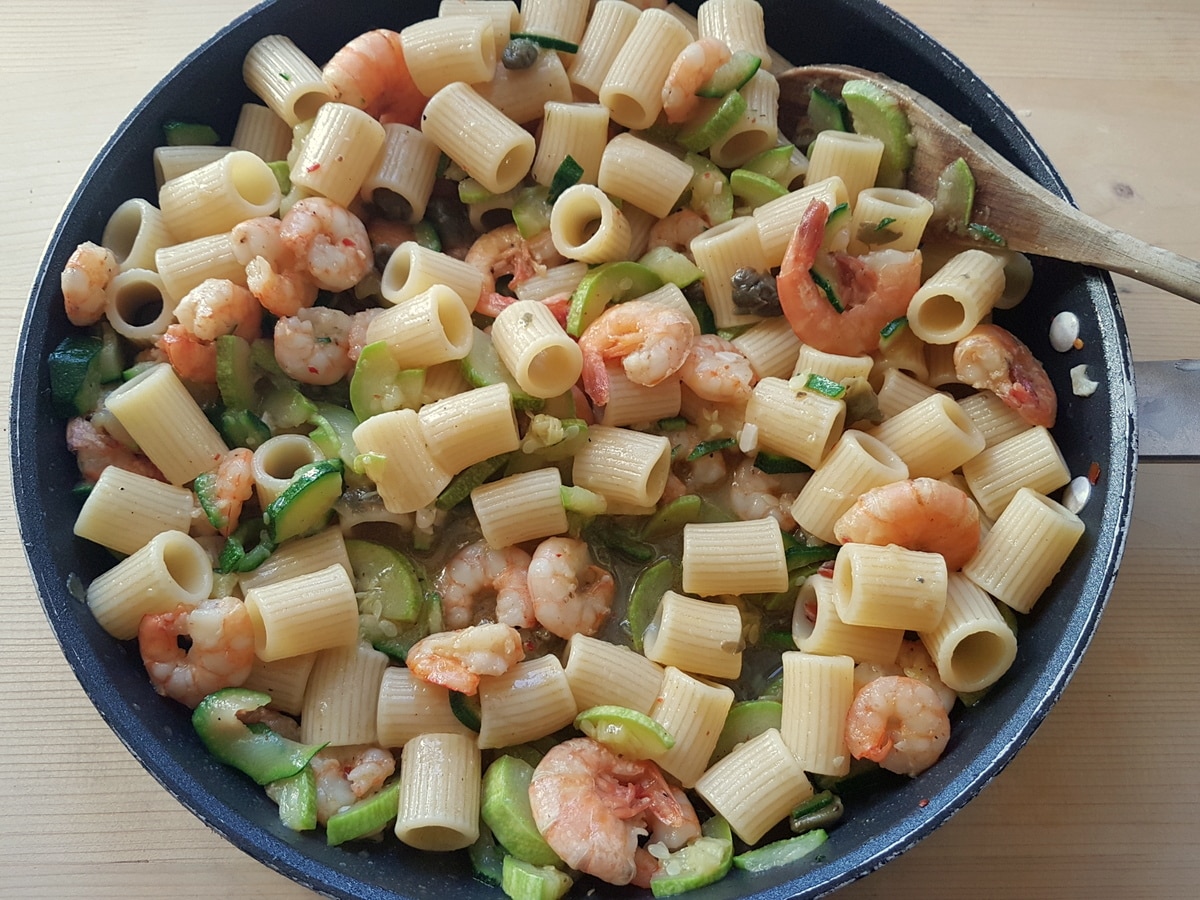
x: 1030, y: 218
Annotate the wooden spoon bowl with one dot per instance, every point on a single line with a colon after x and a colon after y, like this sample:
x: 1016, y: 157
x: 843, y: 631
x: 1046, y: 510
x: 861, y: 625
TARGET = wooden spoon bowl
x: 1030, y: 218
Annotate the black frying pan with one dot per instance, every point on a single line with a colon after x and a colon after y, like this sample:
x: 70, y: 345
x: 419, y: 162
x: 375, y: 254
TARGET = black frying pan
x: 207, y: 87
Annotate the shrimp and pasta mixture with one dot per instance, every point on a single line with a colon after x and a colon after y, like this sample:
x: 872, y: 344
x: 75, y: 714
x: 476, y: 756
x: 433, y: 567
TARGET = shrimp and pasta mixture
x: 512, y: 439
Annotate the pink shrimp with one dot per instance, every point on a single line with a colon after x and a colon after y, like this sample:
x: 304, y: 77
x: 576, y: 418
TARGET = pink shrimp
x: 873, y: 290
x: 694, y: 65
x: 717, y: 370
x: 502, y: 252
x: 457, y: 659
x: 570, y: 595
x: 214, y: 307
x: 234, y: 485
x: 220, y: 655
x: 651, y: 340
x: 370, y: 73
x: 85, y: 281
x: 994, y: 359
x: 493, y: 304
x: 478, y: 571
x: 919, y: 514
x: 677, y: 230
x: 326, y: 243
x: 95, y: 451
x: 898, y: 722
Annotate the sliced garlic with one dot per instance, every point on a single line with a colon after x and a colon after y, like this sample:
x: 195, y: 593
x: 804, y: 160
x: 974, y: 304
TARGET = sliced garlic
x: 1064, y: 331
x: 1081, y: 385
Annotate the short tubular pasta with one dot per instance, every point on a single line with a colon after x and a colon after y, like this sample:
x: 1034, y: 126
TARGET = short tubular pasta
x: 995, y: 419
x: 758, y: 128
x: 733, y: 557
x: 900, y: 391
x: 956, y: 298
x: 902, y: 350
x: 589, y: 664
x: 817, y: 628
x: 692, y: 711
x: 276, y: 461
x: 632, y: 88
x: 341, y: 696
x: 470, y: 427
x: 857, y: 463
x: 776, y: 220
x: 212, y: 199
x: 889, y: 587
x: 172, y: 161
x: 520, y: 507
x: 586, y: 225
x: 736, y: 23
x: 412, y: 270
x: 409, y: 707
x: 719, y: 252
x: 771, y: 346
x: 286, y: 80
x: 504, y: 15
x: 933, y: 437
x: 625, y: 466
x: 303, y: 614
x: 134, y: 232
x: 535, y: 348
x: 447, y: 49
x: 124, y: 510
x: 300, y: 556
x: 492, y: 148
x: 340, y: 150
x: 562, y: 19
x: 284, y: 679
x: 852, y: 157
x: 184, y: 266
x: 430, y: 328
x: 606, y: 32
x: 531, y: 700
x: 972, y: 645
x: 630, y: 403
x: 522, y: 94
x: 138, y: 306
x: 260, y: 131
x: 171, y: 569
x: 577, y: 130
x: 439, y: 792
x: 1024, y: 550
x: 811, y: 361
x: 817, y: 692
x: 1029, y: 459
x: 756, y: 785
x: 405, y: 168
x: 888, y: 218
x: 182, y: 445
x: 404, y: 471
x: 640, y: 173
x: 803, y: 426
x: 698, y: 636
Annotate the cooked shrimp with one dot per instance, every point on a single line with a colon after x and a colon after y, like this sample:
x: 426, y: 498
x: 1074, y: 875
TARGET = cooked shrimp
x: 675, y: 835
x: 873, y: 290
x: 918, y: 514
x: 280, y: 291
x: 370, y: 73
x: 235, y: 485
x: 570, y: 595
x: 694, y: 65
x: 755, y: 494
x: 591, y: 805
x: 357, y: 338
x: 915, y: 662
x: 898, y: 722
x: 690, y: 476
x: 457, y: 659
x: 217, y: 307
x: 346, y: 775
x: 96, y: 450
x: 994, y: 359
x: 676, y: 231
x: 476, y: 571
x: 220, y: 654
x: 651, y: 340
x: 503, y: 252
x: 257, y: 237
x: 326, y: 243
x: 313, y: 346
x: 191, y: 358
x: 85, y: 281
x: 717, y: 370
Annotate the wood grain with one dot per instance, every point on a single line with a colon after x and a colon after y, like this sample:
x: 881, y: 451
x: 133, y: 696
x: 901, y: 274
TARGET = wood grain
x: 1104, y: 802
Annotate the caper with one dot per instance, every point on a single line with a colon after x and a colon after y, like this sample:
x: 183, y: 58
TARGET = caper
x: 519, y: 53
x: 755, y: 292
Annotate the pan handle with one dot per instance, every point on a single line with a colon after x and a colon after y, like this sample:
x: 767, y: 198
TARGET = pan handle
x: 1168, y: 410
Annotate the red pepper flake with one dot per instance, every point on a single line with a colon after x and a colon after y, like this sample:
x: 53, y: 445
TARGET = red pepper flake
x: 347, y: 242
x: 313, y: 167
x: 1093, y: 473
x: 1078, y: 344
x: 530, y: 646
x: 924, y: 803
x: 313, y: 369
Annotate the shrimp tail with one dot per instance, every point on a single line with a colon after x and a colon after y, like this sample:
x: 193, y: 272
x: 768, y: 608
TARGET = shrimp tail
x: 801, y: 253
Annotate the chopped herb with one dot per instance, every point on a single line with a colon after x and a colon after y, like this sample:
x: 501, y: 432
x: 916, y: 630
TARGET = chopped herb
x: 704, y: 448
x: 982, y: 232
x: 545, y: 40
x: 885, y: 222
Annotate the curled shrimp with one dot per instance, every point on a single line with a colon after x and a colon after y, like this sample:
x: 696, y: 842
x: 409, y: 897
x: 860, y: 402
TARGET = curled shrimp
x: 220, y: 655
x: 96, y: 450
x: 651, y: 340
x: 994, y: 359
x: 191, y: 358
x: 84, y: 282
x: 676, y: 231
x: 357, y: 337
x: 591, y: 805
x: 270, y: 270
x: 255, y: 237
x: 503, y: 252
x: 918, y: 514
x: 717, y: 370
x: 213, y: 308
x: 754, y: 494
x: 370, y: 73
x: 570, y: 594
x: 694, y: 65
x: 873, y: 289
x: 915, y: 662
x: 326, y: 244
x: 313, y: 346
x: 477, y: 570
x: 234, y: 486
x: 457, y: 659
x: 898, y: 722
x: 346, y: 775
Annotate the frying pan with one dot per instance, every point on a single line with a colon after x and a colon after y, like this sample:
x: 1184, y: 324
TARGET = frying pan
x: 207, y: 87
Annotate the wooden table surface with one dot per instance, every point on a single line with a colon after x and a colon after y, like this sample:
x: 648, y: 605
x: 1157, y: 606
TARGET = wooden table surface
x: 1104, y: 802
